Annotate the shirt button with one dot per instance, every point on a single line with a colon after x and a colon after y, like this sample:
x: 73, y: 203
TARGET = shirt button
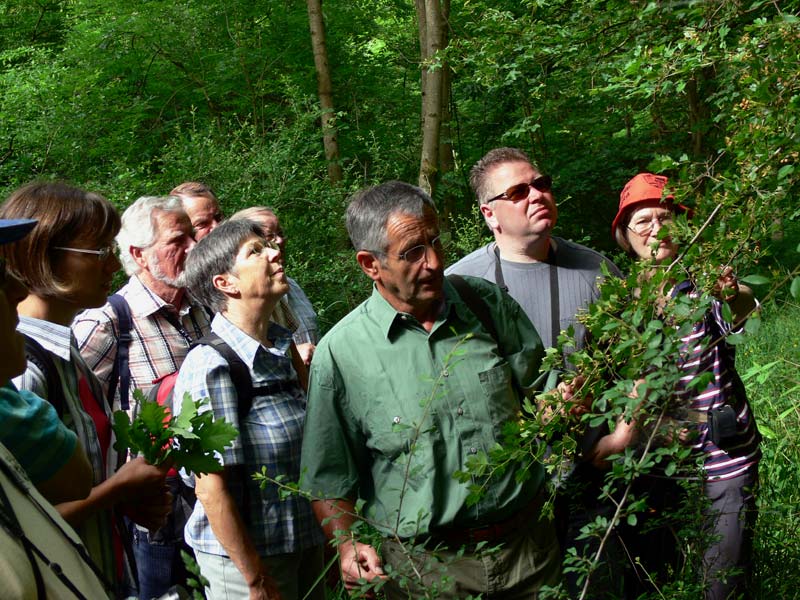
x: 473, y: 450
x: 460, y: 411
x: 396, y: 420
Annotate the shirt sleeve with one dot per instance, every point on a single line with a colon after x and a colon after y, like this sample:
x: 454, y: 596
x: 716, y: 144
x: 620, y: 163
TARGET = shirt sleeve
x: 32, y: 431
x: 205, y: 374
x: 333, y: 458
x: 97, y: 339
x: 303, y: 310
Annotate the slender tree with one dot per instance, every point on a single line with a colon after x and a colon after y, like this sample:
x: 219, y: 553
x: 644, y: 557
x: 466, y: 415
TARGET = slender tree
x: 324, y: 90
x: 432, y: 17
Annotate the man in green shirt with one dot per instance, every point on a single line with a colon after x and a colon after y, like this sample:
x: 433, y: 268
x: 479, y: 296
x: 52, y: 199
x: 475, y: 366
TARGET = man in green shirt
x: 404, y: 390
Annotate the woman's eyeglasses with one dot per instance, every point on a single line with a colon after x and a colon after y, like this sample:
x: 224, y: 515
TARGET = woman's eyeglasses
x: 645, y: 227
x: 102, y: 254
x: 520, y: 191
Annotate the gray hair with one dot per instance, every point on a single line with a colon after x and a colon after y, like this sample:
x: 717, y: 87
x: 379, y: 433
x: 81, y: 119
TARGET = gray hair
x: 214, y: 255
x: 251, y: 212
x: 139, y: 227
x: 480, y: 170
x: 369, y: 211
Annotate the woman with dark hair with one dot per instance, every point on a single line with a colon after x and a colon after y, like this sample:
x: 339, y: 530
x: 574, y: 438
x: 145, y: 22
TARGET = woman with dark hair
x: 38, y: 550
x: 67, y: 263
x: 248, y: 540
x: 718, y: 422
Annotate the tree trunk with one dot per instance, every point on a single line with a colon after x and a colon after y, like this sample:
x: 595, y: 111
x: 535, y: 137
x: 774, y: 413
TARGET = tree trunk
x: 432, y: 32
x: 324, y: 89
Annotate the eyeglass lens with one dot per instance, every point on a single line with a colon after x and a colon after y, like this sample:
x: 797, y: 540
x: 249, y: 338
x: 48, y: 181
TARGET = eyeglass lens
x: 543, y: 183
x: 417, y: 253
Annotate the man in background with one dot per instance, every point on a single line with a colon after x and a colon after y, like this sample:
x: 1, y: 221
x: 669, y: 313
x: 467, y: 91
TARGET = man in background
x: 553, y: 279
x: 155, y: 238
x: 201, y: 205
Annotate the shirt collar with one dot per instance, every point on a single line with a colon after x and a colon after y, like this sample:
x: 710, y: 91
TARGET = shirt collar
x: 52, y: 337
x: 144, y: 302
x: 247, y: 347
x: 389, y: 318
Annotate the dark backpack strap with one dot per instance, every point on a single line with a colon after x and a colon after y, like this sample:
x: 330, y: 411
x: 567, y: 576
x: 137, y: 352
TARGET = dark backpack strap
x: 42, y: 359
x: 121, y: 371
x: 477, y: 305
x: 239, y: 371
x: 240, y: 376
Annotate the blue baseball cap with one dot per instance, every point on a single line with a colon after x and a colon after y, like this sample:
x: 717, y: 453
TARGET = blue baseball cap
x: 12, y: 230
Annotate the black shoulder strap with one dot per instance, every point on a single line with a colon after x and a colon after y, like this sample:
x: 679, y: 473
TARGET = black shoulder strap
x: 121, y: 371
x: 10, y: 522
x: 477, y: 305
x: 240, y: 373
x: 42, y: 359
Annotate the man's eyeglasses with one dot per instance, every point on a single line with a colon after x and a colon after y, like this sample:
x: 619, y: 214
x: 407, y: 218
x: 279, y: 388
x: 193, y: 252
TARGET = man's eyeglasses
x: 520, y: 191
x: 645, y: 227
x: 417, y: 253
x: 102, y: 254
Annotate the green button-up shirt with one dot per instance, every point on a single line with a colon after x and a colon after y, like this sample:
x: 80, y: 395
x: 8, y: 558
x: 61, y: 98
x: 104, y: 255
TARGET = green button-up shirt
x: 394, y: 411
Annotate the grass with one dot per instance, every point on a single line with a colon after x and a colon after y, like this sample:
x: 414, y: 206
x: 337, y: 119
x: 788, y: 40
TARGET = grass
x: 771, y: 362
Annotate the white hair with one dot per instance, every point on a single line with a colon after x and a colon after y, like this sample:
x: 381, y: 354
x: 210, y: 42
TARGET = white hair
x: 139, y: 227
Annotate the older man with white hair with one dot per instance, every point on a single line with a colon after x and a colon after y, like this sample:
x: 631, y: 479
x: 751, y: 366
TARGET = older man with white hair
x: 155, y: 238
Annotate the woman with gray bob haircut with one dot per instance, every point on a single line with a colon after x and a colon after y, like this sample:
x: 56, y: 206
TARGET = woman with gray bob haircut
x: 207, y: 260
x: 249, y: 542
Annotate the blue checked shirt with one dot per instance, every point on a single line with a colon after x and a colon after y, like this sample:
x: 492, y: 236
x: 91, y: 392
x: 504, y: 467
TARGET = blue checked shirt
x: 270, y: 436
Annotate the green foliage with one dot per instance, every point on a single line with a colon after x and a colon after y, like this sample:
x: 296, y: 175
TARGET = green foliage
x: 187, y: 441
x: 195, y: 580
x: 131, y: 99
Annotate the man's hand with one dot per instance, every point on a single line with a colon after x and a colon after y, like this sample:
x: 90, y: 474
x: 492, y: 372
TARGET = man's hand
x: 150, y: 511
x: 306, y: 352
x: 264, y: 588
x: 564, y: 401
x: 575, y: 405
x: 359, y: 561
x: 140, y: 488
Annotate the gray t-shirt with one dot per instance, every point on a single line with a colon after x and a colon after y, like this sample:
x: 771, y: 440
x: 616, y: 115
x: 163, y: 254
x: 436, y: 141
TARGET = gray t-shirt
x: 576, y: 270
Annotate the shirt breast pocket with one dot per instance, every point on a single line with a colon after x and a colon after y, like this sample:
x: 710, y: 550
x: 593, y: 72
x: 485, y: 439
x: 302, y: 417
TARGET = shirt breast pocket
x: 501, y: 397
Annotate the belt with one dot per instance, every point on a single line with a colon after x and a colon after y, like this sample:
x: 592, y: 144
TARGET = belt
x: 697, y: 416
x: 494, y: 532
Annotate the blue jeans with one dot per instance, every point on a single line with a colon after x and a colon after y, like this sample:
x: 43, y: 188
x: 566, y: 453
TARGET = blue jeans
x: 158, y: 555
x: 159, y: 565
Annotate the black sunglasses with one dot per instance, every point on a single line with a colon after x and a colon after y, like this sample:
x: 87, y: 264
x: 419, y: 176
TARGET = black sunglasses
x: 520, y: 191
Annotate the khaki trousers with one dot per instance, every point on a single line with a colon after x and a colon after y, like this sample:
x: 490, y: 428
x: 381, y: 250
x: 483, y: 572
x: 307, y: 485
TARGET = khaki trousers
x: 517, y: 569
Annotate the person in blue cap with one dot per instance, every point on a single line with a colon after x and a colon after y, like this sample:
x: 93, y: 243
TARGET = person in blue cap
x: 38, y: 549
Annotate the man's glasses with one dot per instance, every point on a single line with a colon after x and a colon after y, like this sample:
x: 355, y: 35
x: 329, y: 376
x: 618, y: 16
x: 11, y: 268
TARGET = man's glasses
x: 645, y: 227
x: 520, y: 191
x: 101, y: 254
x: 417, y: 253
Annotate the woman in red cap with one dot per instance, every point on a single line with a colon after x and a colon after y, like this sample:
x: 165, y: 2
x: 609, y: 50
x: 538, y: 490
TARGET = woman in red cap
x: 720, y: 423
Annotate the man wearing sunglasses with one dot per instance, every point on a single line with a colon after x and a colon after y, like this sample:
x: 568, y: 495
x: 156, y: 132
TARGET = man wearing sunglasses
x: 552, y: 279
x: 405, y: 391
